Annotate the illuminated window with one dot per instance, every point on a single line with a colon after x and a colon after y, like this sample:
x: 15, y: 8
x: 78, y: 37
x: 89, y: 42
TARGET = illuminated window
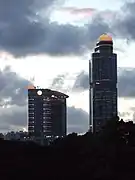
x: 30, y: 104
x: 30, y: 126
x: 31, y: 109
x: 31, y: 117
x: 30, y: 130
x: 31, y: 113
x: 31, y: 122
x: 46, y: 118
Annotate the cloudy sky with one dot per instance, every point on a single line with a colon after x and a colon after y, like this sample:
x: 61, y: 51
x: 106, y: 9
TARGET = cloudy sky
x: 49, y: 42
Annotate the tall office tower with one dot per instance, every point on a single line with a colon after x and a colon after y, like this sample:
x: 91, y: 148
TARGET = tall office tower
x: 46, y: 113
x: 103, y: 83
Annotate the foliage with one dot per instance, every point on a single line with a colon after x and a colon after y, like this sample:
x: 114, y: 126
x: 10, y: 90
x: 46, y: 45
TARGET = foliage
x: 109, y: 154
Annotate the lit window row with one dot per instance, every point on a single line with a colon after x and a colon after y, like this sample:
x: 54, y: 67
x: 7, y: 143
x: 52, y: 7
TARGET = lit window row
x: 46, y: 110
x: 47, y: 131
x: 31, y: 131
x: 31, y: 122
x: 31, y: 117
x: 44, y: 117
x: 31, y: 104
x: 31, y: 126
x: 31, y: 109
x: 31, y: 113
x: 47, y: 118
x: 49, y: 123
x: 47, y: 127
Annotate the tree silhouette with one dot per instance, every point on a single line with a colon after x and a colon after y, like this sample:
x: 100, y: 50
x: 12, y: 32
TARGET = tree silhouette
x: 109, y: 154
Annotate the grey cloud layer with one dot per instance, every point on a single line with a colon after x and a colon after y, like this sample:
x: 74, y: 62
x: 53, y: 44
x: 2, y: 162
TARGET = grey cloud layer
x: 125, y: 24
x: 58, y: 82
x: 13, y: 88
x: 77, y: 120
x: 13, y: 118
x: 126, y: 83
x: 13, y: 98
x: 23, y: 31
x: 19, y: 29
x: 16, y: 116
x: 82, y: 81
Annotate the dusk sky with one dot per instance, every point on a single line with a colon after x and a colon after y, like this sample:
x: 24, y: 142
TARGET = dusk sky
x: 49, y: 43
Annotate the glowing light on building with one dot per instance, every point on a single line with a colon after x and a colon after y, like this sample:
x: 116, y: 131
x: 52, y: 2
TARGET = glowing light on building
x: 31, y: 87
x: 105, y: 37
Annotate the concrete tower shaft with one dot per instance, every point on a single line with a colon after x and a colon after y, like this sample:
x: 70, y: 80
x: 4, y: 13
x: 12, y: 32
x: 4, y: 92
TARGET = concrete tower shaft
x: 103, y: 83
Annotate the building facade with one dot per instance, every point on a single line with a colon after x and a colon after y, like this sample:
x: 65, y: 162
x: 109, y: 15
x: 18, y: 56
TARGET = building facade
x: 47, y: 113
x: 103, y: 83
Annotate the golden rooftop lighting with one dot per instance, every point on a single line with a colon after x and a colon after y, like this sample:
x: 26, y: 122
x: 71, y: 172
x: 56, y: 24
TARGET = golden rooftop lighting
x: 105, y: 37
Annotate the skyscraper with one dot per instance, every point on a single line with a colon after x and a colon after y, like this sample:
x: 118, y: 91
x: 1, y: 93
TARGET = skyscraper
x: 46, y: 113
x: 103, y: 83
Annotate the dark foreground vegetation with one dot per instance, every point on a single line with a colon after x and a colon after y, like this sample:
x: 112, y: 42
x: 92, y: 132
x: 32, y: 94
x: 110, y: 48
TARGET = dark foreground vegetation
x: 107, y: 155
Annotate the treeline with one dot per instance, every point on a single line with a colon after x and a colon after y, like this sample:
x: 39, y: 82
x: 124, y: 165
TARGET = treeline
x: 109, y: 154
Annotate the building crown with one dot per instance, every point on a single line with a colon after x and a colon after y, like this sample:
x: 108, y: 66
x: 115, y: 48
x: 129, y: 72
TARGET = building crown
x: 105, y: 37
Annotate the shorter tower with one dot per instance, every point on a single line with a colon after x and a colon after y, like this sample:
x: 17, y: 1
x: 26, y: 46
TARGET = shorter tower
x: 47, y: 113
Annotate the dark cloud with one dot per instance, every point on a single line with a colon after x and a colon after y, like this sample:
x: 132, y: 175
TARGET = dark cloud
x: 15, y: 117
x: 97, y: 27
x: 77, y: 120
x: 63, y: 83
x: 124, y: 24
x: 82, y: 81
x: 12, y: 88
x: 58, y: 82
x: 4, y: 127
x: 25, y: 28
x: 19, y: 26
x: 13, y: 99
x: 23, y: 31
x: 13, y: 113
x: 126, y: 83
